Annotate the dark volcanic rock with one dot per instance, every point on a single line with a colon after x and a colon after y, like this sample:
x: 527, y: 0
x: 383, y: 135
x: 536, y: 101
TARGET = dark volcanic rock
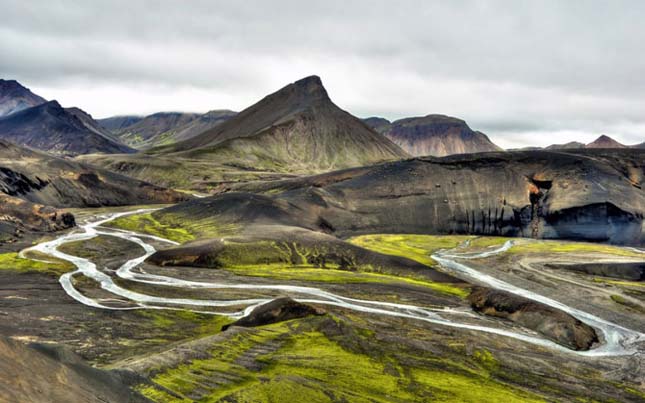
x: 278, y: 310
x: 52, y: 128
x: 40, y: 373
x: 556, y: 325
x: 634, y: 271
x: 593, y: 195
x: 436, y: 135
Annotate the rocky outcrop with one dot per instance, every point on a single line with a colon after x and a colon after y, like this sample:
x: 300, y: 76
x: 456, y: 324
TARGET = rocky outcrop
x: 278, y: 310
x: 552, y: 323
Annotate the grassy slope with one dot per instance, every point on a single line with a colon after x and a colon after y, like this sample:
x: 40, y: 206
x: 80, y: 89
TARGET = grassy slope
x: 11, y: 261
x: 311, y: 366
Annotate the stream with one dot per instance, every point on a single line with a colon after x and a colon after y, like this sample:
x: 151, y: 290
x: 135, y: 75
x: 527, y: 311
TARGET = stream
x: 617, y: 340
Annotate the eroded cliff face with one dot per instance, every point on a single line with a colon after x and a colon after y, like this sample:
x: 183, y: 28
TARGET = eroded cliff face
x: 590, y: 195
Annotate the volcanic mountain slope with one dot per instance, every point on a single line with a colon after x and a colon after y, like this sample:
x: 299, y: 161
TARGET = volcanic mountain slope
x: 41, y: 373
x: 296, y: 129
x: 115, y: 124
x: 52, y: 128
x: 435, y: 135
x: 143, y: 133
x: 31, y: 181
x: 605, y: 142
x: 14, y: 97
x: 594, y: 195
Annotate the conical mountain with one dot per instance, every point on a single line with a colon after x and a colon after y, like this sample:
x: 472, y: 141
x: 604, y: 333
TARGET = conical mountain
x: 605, y: 142
x: 436, y: 135
x: 52, y: 128
x: 14, y: 97
x: 296, y: 129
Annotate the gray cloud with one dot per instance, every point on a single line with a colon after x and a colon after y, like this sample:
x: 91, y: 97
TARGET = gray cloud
x: 513, y: 69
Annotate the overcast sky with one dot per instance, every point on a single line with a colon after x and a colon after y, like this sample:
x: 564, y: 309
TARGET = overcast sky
x: 525, y: 72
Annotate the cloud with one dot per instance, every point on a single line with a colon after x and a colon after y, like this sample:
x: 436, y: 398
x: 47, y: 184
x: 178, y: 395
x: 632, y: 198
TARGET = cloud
x: 512, y: 69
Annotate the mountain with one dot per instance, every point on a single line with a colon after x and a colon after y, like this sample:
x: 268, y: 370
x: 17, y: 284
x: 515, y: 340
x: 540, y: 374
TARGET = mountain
x: 294, y: 131
x: 163, y: 128
x: 14, y: 97
x: 117, y: 123
x: 377, y: 123
x: 566, y: 146
x: 196, y: 126
x: 144, y: 133
x: 605, y: 142
x: 435, y: 135
x: 52, y: 128
x: 297, y: 129
x: 592, y: 195
x: 641, y: 145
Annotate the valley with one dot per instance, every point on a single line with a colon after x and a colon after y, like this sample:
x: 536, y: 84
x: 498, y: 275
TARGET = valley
x: 362, y: 311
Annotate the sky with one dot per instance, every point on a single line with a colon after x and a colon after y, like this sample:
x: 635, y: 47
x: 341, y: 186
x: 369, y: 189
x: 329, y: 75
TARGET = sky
x: 527, y: 73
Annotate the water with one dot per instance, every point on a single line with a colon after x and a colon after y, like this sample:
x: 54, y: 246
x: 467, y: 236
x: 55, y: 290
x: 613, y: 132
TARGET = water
x: 618, y: 340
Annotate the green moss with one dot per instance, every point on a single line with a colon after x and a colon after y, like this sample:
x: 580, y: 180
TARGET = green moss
x: 486, y: 359
x: 571, y: 247
x: 11, y: 261
x: 312, y: 274
x: 148, y: 224
x: 415, y: 247
x: 309, y: 367
x: 187, y: 323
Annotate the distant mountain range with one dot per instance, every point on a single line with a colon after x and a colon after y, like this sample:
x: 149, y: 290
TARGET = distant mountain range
x: 163, y: 128
x: 297, y: 130
x: 29, y: 120
x: 435, y: 135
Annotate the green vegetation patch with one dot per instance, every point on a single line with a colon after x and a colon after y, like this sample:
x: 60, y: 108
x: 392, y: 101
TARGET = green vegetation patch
x: 313, y: 274
x: 146, y: 223
x: 11, y: 261
x: 293, y: 361
x: 534, y: 246
x: 186, y: 322
x: 415, y: 247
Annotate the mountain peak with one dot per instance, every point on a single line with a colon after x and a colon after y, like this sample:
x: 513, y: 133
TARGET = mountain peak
x: 15, y: 97
x: 605, y: 141
x: 306, y: 89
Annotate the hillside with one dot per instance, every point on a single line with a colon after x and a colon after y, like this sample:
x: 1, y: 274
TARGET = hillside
x: 592, y: 195
x: 115, y: 124
x: 435, y: 135
x: 144, y: 132
x: 50, y: 127
x: 34, y: 184
x: 14, y: 97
